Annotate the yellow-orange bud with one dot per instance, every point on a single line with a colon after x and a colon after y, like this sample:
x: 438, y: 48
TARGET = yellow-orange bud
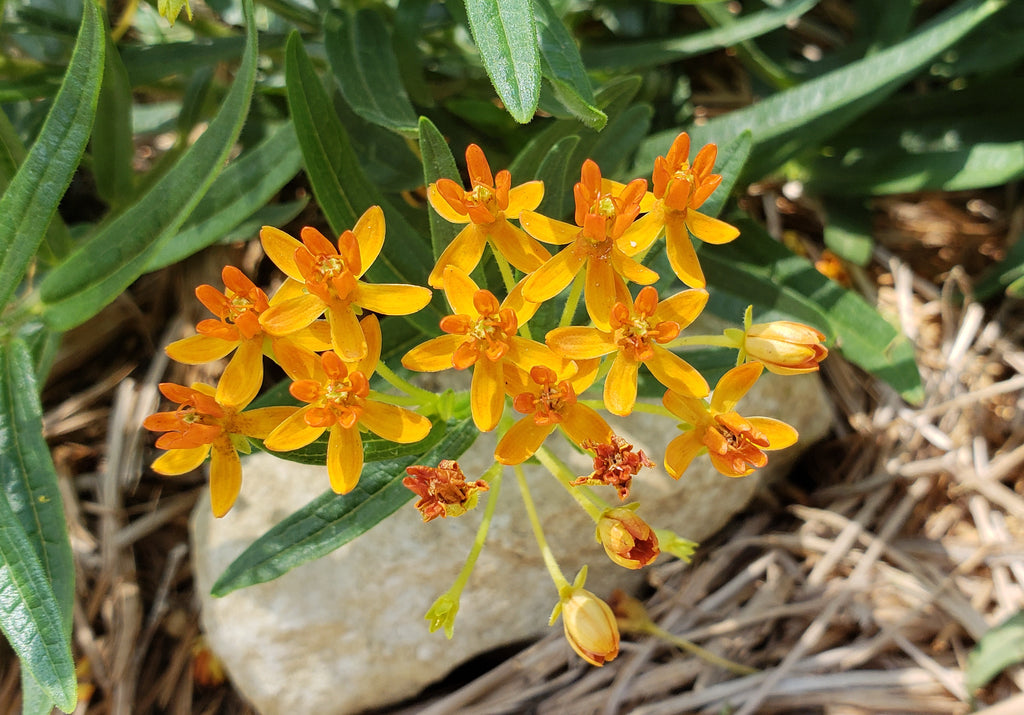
x: 785, y: 347
x: 627, y: 539
x: 590, y: 626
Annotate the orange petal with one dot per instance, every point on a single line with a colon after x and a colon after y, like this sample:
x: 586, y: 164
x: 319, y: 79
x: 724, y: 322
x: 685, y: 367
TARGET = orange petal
x: 434, y: 355
x: 344, y: 458
x: 199, y: 349
x: 225, y: 477
x: 391, y: 298
x: 586, y: 373
x: 780, y: 435
x: 600, y: 292
x: 641, y: 234
x: 346, y: 336
x: 528, y: 353
x: 280, y: 247
x: 288, y: 290
x: 522, y: 251
x: 243, y: 376
x: 525, y: 197
x: 262, y: 421
x: 369, y: 231
x: 681, y: 451
x: 682, y: 308
x: 180, y: 461
x: 316, y: 336
x: 522, y: 441
x: 292, y: 315
x: 620, y: 386
x: 523, y: 308
x: 464, y: 252
x: 679, y: 249
x: 581, y: 423
x: 394, y: 423
x: 632, y: 270
x: 688, y: 409
x: 487, y: 395
x: 443, y: 208
x: 293, y: 433
x: 579, y: 343
x: 734, y: 385
x: 460, y: 290
x: 710, y: 230
x: 550, y: 279
x: 316, y: 243
x: 548, y: 230
x: 675, y: 373
x: 298, y: 362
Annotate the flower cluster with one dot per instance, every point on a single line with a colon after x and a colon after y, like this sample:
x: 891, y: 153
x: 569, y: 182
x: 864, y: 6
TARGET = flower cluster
x: 322, y: 328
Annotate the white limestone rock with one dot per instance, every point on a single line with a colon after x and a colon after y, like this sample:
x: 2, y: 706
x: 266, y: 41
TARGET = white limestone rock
x: 346, y: 632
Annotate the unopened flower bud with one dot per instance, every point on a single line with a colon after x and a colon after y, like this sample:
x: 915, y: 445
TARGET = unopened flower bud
x: 627, y: 539
x: 785, y: 347
x: 590, y: 626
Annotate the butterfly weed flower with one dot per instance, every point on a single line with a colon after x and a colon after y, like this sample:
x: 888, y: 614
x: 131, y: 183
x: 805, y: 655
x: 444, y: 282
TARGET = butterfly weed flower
x: 337, y: 397
x: 680, y: 188
x: 201, y: 426
x: 627, y: 539
x: 736, y: 444
x: 636, y: 334
x: 547, y: 403
x: 615, y: 465
x: 443, y: 490
x: 589, y: 623
x: 782, y: 346
x: 482, y: 334
x: 486, y: 209
x: 326, y: 278
x: 605, y: 222
x: 237, y: 328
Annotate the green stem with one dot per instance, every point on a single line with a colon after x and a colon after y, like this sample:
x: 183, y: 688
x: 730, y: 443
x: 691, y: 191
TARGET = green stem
x: 701, y: 653
x: 561, y: 583
x: 722, y: 341
x: 422, y: 396
x: 591, y: 503
x: 493, y: 477
x: 402, y: 400
x: 574, y: 299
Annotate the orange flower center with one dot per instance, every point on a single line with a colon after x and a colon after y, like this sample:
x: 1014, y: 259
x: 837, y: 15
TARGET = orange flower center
x: 548, y: 404
x: 634, y: 333
x: 733, y: 437
x: 489, y: 334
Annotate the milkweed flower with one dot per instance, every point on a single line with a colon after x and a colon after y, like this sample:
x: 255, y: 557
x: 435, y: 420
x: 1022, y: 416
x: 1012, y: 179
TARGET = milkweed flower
x: 486, y: 209
x: 782, y: 346
x: 636, y: 334
x: 548, y: 402
x: 201, y: 426
x: 482, y: 334
x: 443, y: 490
x: 330, y: 277
x: 627, y: 539
x: 605, y: 232
x: 680, y: 188
x: 237, y: 328
x: 615, y: 465
x: 736, y: 444
x: 589, y: 623
x: 338, y: 402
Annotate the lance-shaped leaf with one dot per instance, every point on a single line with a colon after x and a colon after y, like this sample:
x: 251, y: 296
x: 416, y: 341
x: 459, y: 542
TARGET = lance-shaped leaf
x: 32, y: 197
x: 506, y: 35
x: 116, y: 255
x: 330, y: 520
x: 999, y: 648
x: 438, y: 163
x: 112, y: 145
x: 561, y: 65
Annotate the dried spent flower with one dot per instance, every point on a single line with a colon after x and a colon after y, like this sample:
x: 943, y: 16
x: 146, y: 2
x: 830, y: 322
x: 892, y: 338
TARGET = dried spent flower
x: 443, y: 490
x: 615, y: 464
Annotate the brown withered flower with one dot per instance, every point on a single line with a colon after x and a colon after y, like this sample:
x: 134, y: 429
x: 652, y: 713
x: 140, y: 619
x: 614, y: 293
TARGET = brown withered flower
x: 443, y: 490
x: 615, y: 464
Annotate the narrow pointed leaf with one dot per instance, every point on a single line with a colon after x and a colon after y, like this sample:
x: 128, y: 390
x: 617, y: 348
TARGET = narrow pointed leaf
x: 330, y: 520
x: 562, y: 67
x: 35, y: 191
x: 115, y: 256
x: 1000, y: 647
x: 438, y: 163
x: 505, y: 33
x: 112, y: 146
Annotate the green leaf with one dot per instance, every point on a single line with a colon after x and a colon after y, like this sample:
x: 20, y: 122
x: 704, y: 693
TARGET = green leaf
x: 789, y: 121
x: 31, y: 198
x: 1000, y: 647
x: 559, y: 169
x: 116, y: 255
x: 29, y: 483
x: 562, y: 67
x: 438, y: 163
x: 147, y: 64
x: 848, y: 229
x: 112, y: 145
x: 505, y: 33
x: 375, y: 449
x: 341, y: 187
x: 245, y: 186
x: 359, y: 50
x: 650, y: 53
x: 330, y: 520
x: 408, y: 26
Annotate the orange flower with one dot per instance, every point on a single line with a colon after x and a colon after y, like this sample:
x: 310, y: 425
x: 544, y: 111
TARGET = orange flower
x: 635, y: 334
x: 482, y: 334
x: 337, y: 397
x: 590, y: 625
x: 602, y: 239
x: 627, y: 539
x: 548, y: 403
x: 330, y: 277
x: 784, y: 347
x: 443, y: 490
x: 237, y: 328
x: 735, y: 444
x: 202, y: 425
x: 615, y: 465
x: 679, y: 189
x: 486, y: 209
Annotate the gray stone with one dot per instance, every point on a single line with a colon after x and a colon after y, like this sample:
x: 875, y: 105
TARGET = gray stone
x: 346, y: 632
